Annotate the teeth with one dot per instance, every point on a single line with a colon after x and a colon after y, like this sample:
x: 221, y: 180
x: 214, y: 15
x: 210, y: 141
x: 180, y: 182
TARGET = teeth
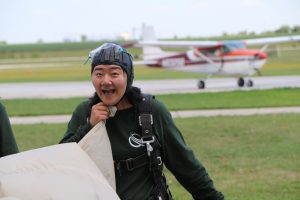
x: 108, y: 91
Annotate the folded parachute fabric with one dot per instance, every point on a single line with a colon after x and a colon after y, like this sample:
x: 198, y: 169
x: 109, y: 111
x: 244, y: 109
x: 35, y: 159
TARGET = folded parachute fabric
x: 60, y: 172
x: 97, y: 145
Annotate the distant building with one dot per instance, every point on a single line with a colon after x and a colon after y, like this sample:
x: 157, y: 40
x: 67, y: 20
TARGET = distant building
x: 124, y: 36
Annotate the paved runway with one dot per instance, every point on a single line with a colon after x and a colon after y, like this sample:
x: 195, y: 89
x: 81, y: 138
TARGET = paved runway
x: 80, y: 89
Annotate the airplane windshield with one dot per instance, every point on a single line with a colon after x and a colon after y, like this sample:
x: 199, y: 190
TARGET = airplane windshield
x: 230, y: 46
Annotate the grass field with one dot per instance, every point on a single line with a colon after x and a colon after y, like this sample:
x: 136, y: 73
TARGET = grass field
x: 249, y: 158
x: 220, y: 100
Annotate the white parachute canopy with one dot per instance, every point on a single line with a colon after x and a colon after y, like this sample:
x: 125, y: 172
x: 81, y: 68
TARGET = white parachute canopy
x: 59, y: 172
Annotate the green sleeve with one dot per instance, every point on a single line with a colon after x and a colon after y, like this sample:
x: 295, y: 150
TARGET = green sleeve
x: 180, y: 159
x: 79, y: 124
x: 8, y: 143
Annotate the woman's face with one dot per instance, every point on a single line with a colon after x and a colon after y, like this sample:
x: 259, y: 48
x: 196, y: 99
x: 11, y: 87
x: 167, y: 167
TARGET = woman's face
x: 110, y: 83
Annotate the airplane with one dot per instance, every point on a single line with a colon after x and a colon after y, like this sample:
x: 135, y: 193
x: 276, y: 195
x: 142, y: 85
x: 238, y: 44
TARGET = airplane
x: 230, y: 58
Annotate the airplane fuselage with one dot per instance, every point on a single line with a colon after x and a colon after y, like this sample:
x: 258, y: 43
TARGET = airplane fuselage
x: 237, y: 62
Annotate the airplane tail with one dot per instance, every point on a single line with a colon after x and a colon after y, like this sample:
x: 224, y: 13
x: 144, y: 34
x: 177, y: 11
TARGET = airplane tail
x: 150, y: 52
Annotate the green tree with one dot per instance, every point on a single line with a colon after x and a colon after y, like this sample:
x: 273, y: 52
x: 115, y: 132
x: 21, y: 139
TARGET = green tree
x: 296, y: 29
x: 284, y: 29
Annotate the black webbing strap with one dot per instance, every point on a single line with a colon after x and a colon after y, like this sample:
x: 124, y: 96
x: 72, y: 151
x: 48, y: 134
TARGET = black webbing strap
x: 145, y: 115
x: 160, y: 189
x: 153, y: 156
x: 148, y: 136
x: 131, y: 163
x: 146, y: 122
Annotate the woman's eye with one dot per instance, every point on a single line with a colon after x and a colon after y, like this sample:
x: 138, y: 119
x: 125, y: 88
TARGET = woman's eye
x: 114, y: 74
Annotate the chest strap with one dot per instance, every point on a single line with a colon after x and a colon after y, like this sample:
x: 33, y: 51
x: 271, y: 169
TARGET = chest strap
x: 131, y: 163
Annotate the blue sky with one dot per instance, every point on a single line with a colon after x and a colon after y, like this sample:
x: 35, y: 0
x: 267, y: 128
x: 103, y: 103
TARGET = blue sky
x: 25, y: 21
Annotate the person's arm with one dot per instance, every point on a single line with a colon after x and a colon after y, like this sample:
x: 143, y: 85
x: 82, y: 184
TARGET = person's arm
x: 8, y: 143
x: 79, y: 124
x: 181, y: 161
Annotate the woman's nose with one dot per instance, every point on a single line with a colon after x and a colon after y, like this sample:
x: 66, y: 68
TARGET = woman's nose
x: 106, y: 79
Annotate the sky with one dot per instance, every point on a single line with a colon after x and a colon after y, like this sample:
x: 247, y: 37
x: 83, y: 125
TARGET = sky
x: 29, y: 21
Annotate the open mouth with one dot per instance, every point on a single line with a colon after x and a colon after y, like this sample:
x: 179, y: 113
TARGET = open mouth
x: 108, y: 92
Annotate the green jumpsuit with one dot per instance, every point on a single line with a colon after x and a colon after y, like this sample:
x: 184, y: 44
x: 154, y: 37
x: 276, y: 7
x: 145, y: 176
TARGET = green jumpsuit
x: 125, y: 143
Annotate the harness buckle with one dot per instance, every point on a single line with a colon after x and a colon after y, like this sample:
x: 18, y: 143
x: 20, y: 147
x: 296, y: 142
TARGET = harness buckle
x: 145, y: 117
x: 159, y: 160
x: 129, y: 164
x: 148, y: 140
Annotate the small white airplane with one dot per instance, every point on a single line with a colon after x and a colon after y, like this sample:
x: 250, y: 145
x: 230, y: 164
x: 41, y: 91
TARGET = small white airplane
x: 208, y: 57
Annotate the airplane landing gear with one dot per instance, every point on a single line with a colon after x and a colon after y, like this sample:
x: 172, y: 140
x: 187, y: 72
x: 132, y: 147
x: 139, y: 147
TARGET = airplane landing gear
x: 241, y: 82
x: 249, y: 83
x: 201, y: 84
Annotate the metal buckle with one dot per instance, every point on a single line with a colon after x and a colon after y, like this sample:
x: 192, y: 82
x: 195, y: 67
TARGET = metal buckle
x: 129, y: 164
x: 159, y: 159
x: 145, y: 116
x: 148, y: 143
x: 145, y: 140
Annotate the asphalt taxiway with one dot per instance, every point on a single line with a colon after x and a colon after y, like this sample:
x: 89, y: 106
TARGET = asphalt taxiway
x: 85, y: 88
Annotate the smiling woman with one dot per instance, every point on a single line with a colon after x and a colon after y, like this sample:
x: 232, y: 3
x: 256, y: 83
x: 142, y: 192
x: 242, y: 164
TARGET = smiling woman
x: 138, y: 168
x: 110, y: 83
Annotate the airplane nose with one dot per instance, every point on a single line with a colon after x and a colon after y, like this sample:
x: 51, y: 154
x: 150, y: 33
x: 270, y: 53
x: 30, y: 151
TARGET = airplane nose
x: 261, y: 55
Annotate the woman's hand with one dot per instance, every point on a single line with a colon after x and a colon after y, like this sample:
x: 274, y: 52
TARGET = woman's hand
x: 100, y: 112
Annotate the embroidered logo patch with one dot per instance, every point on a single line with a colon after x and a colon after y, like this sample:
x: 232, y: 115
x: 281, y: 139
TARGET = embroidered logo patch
x: 135, y: 140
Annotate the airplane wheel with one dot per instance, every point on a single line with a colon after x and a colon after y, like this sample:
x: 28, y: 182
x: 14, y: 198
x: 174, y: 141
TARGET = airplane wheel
x: 249, y: 83
x: 241, y: 82
x: 201, y: 84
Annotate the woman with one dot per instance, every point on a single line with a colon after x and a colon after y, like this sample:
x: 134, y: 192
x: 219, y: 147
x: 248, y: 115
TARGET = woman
x: 112, y: 77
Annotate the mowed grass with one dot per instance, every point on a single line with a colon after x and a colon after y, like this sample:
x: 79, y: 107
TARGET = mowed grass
x: 249, y: 157
x: 219, y: 100
x: 285, y: 63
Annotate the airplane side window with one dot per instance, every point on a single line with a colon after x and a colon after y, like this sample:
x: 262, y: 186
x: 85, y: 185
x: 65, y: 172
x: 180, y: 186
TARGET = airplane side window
x: 226, y: 49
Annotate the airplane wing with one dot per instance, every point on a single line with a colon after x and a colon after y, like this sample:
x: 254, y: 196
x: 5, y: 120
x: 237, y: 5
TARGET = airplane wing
x: 188, y: 44
x: 207, y: 44
x: 149, y: 40
x: 271, y: 40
